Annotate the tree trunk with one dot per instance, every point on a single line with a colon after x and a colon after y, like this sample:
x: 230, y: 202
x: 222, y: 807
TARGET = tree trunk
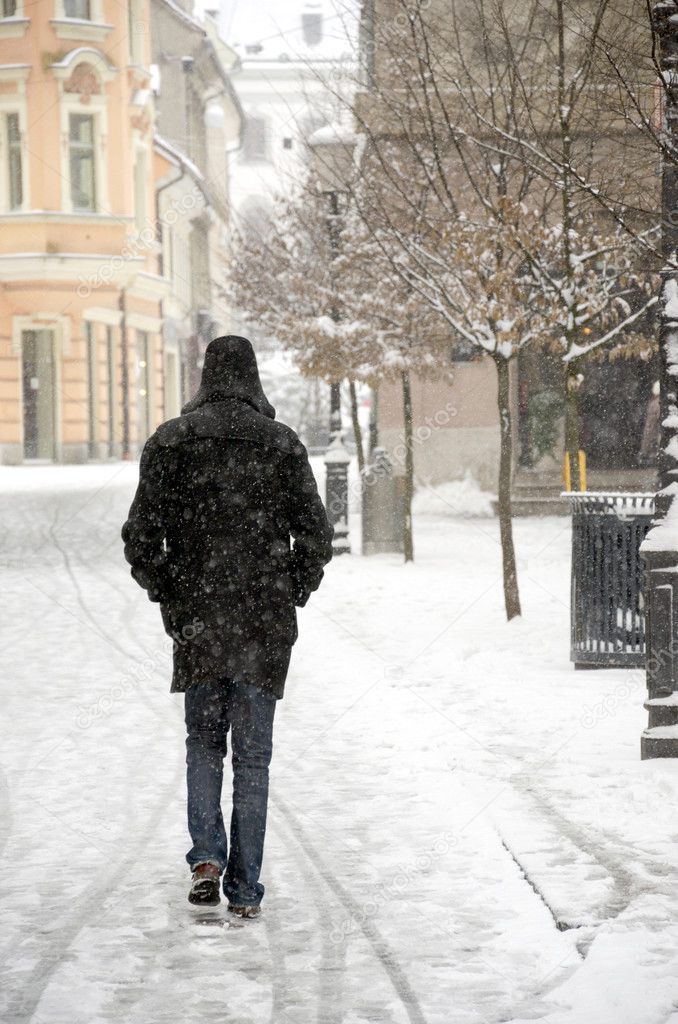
x: 510, y: 575
x: 374, y: 420
x: 408, y: 540
x: 357, y: 429
x: 572, y: 425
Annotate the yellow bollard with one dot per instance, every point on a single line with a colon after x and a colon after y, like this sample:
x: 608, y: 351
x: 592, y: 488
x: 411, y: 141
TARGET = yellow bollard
x: 567, y: 470
x: 582, y: 470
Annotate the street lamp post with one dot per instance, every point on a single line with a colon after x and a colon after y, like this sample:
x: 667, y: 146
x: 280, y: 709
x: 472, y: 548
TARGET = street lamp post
x: 660, y: 549
x: 332, y: 148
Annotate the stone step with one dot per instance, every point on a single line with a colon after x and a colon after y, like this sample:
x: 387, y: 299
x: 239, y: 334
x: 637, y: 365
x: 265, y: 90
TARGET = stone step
x: 659, y: 742
x: 597, y: 480
x: 537, y: 505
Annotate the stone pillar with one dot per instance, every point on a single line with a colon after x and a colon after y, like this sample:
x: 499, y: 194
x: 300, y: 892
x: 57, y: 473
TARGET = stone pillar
x: 660, y: 548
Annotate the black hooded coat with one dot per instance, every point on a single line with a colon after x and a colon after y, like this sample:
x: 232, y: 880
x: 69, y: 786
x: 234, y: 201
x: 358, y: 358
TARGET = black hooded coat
x: 222, y: 489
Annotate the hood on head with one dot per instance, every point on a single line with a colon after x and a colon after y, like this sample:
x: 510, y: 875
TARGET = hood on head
x: 230, y: 371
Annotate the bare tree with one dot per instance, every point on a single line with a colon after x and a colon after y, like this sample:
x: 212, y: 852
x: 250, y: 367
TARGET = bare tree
x: 338, y: 307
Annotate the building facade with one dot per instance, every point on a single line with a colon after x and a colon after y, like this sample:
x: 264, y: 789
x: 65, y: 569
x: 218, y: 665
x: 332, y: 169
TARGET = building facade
x: 81, y: 354
x: 456, y: 421
x: 198, y: 121
x: 295, y: 74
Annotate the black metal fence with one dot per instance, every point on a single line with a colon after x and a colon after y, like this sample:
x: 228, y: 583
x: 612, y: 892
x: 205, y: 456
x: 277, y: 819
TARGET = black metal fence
x: 608, y: 608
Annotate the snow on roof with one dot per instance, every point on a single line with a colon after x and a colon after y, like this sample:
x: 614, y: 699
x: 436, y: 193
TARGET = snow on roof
x: 272, y: 30
x: 180, y: 158
x: 183, y: 16
x: 332, y: 133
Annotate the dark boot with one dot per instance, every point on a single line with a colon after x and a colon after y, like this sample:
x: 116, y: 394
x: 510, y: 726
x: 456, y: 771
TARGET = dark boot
x: 205, y: 888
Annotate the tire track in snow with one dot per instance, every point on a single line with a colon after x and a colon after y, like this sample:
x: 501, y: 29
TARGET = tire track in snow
x: 50, y: 959
x: 111, y: 640
x: 622, y: 878
x: 577, y: 837
x: 380, y: 947
x: 279, y: 984
x: 91, y: 907
x: 333, y: 963
x: 376, y: 942
x: 5, y: 810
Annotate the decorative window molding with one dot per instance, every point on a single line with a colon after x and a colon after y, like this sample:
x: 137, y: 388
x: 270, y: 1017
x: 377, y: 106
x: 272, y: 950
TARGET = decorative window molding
x: 81, y: 270
x: 151, y: 287
x: 15, y: 73
x: 103, y: 315
x: 13, y: 23
x: 82, y: 55
x: 60, y: 217
x: 91, y: 33
x: 82, y: 75
x: 59, y: 323
x: 80, y: 19
x: 145, y: 323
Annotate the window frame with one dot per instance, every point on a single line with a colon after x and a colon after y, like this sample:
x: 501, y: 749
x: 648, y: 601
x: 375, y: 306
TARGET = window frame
x: 262, y: 155
x: 95, y: 13
x: 84, y: 148
x: 14, y: 153
x: 10, y: 105
x: 78, y: 17
x: 96, y: 108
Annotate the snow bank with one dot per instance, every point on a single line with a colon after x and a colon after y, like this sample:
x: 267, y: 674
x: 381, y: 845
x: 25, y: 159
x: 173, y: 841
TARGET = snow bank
x: 54, y: 477
x: 462, y: 498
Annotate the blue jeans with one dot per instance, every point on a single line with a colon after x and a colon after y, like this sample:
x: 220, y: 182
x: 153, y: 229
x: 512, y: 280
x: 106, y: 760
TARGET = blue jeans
x: 212, y: 707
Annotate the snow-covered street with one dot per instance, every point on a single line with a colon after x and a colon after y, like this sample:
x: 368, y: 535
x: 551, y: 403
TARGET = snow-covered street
x: 460, y: 830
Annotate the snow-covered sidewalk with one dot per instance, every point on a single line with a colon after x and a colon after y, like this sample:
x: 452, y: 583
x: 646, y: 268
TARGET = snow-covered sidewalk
x: 461, y: 830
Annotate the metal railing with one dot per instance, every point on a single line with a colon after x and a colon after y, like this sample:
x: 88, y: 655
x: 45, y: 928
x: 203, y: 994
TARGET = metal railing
x: 608, y: 577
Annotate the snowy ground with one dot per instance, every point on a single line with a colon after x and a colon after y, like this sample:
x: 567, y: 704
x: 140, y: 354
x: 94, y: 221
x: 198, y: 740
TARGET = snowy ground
x: 461, y: 831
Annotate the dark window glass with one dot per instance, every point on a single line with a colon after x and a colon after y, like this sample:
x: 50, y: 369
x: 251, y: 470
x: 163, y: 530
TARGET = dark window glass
x: 255, y: 140
x: 78, y: 9
x: 82, y: 162
x: 16, y: 192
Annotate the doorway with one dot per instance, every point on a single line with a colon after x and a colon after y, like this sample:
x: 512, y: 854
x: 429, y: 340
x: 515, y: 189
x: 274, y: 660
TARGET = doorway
x: 39, y: 398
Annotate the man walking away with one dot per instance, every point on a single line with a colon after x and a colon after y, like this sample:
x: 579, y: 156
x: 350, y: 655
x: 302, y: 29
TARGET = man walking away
x: 222, y: 489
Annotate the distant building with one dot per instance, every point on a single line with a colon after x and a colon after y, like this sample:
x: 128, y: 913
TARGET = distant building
x: 80, y: 288
x: 295, y: 74
x: 198, y: 119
